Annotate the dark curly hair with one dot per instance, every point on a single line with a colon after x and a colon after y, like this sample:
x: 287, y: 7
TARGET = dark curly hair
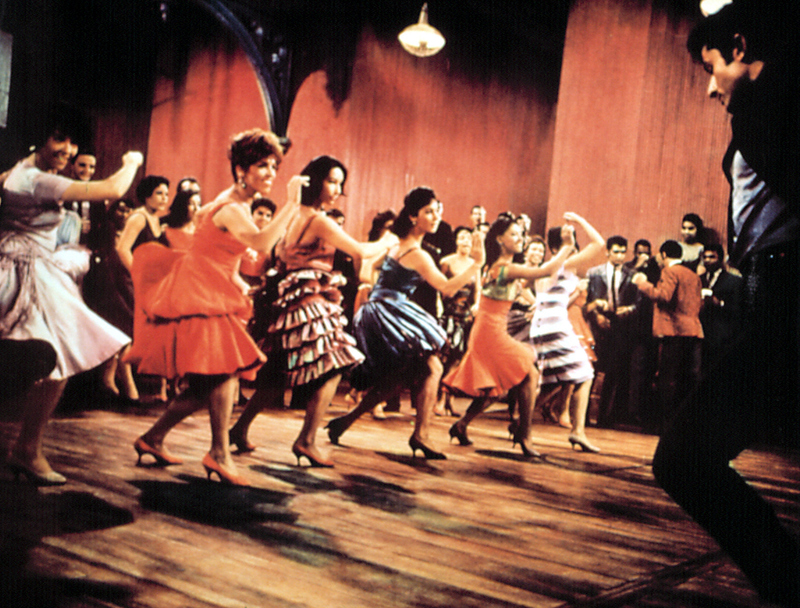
x: 147, y: 186
x: 249, y: 147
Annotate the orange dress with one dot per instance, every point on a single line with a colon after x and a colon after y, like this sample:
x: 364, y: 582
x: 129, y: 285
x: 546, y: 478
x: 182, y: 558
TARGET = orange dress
x: 494, y: 362
x: 196, y: 316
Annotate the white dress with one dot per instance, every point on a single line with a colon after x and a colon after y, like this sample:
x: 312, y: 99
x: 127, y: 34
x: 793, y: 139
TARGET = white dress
x: 559, y: 351
x: 39, y: 294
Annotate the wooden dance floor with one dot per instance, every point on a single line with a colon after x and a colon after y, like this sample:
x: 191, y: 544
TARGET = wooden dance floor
x: 482, y: 529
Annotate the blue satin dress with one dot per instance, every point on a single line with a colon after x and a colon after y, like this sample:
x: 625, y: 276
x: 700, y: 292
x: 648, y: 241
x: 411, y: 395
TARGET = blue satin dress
x: 392, y: 331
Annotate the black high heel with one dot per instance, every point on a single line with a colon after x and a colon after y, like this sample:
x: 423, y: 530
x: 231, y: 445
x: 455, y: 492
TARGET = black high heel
x: 415, y: 444
x: 336, y: 429
x: 512, y: 428
x: 583, y: 443
x: 527, y: 451
x: 299, y: 451
x: 456, y: 432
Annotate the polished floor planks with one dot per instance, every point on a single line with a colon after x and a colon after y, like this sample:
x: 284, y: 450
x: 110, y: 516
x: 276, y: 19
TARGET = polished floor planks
x: 484, y: 528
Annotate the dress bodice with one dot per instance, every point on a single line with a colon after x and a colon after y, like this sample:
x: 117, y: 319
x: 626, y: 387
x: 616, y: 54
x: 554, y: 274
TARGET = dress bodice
x: 497, y: 287
x: 31, y: 203
x: 146, y: 235
x: 396, y: 277
x: 316, y: 254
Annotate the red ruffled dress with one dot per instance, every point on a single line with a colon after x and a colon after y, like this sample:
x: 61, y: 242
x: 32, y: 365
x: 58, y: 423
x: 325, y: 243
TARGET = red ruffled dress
x: 494, y: 362
x: 196, y: 316
x: 308, y: 328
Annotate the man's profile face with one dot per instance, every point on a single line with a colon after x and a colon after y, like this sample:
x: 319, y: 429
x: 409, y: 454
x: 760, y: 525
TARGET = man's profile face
x: 725, y: 77
x: 616, y: 255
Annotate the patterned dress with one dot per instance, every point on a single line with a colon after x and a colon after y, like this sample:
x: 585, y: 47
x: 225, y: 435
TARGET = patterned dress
x: 457, y: 320
x: 307, y: 333
x: 393, y: 332
x: 561, y: 355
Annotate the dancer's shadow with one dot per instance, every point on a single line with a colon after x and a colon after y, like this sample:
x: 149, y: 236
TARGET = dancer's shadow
x: 28, y: 515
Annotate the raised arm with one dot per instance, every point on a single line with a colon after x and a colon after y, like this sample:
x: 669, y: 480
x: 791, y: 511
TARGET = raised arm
x: 112, y: 187
x: 423, y: 263
x: 239, y: 223
x: 591, y: 255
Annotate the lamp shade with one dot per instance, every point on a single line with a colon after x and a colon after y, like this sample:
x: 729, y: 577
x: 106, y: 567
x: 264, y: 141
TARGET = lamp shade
x: 421, y: 39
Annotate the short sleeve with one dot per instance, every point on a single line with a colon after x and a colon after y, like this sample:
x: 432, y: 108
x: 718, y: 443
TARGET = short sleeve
x: 48, y: 186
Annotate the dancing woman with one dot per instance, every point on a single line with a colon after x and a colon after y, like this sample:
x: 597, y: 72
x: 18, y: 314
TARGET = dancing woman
x: 562, y: 357
x: 197, y: 315
x: 401, y: 341
x: 458, y: 310
x: 306, y: 342
x: 496, y: 363
x: 40, y: 298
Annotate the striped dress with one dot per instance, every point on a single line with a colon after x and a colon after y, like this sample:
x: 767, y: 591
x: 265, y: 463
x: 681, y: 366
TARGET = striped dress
x: 560, y: 355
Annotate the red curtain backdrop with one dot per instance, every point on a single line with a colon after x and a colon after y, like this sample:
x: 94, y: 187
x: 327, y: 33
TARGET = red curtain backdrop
x: 192, y: 122
x: 410, y: 122
x: 637, y: 143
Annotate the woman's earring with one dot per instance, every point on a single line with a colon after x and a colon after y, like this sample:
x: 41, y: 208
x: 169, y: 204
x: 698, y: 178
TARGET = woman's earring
x: 242, y: 184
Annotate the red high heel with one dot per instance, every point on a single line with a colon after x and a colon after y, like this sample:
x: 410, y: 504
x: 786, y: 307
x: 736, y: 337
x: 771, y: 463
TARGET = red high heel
x: 314, y: 461
x: 212, y: 466
x: 163, y: 459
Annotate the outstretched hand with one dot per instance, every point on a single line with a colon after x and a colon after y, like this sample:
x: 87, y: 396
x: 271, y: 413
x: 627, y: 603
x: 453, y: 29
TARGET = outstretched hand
x: 133, y: 158
x: 478, y: 253
x: 294, y: 189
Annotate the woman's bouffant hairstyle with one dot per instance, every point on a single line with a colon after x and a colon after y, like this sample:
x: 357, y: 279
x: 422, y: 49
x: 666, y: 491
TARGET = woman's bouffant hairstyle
x: 148, y: 185
x: 498, y: 228
x: 379, y: 224
x: 249, y: 147
x: 178, y: 215
x: 317, y: 171
x: 413, y: 202
x: 61, y: 122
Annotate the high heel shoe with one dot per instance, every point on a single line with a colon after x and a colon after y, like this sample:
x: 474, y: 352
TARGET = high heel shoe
x: 456, y: 432
x: 415, y: 444
x: 527, y: 450
x: 583, y: 443
x: 242, y: 445
x: 512, y: 427
x: 163, y: 459
x: 37, y: 479
x: 336, y: 429
x: 212, y: 466
x: 313, y: 460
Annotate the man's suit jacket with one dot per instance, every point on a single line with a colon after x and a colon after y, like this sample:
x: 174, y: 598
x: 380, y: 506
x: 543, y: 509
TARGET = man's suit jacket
x: 678, y: 299
x: 628, y: 295
x: 721, y: 322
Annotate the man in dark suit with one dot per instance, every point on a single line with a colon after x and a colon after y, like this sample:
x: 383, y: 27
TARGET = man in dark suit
x: 611, y: 304
x: 676, y: 325
x: 722, y: 304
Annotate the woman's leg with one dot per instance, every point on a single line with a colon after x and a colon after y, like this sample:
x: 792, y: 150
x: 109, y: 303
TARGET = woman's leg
x: 579, y: 403
x: 423, y: 396
x: 183, y: 406
x: 39, y: 404
x: 372, y: 397
x: 108, y: 373
x: 459, y: 429
x: 526, y: 397
x: 266, y: 395
x: 316, y: 396
x: 220, y: 406
x: 126, y: 371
